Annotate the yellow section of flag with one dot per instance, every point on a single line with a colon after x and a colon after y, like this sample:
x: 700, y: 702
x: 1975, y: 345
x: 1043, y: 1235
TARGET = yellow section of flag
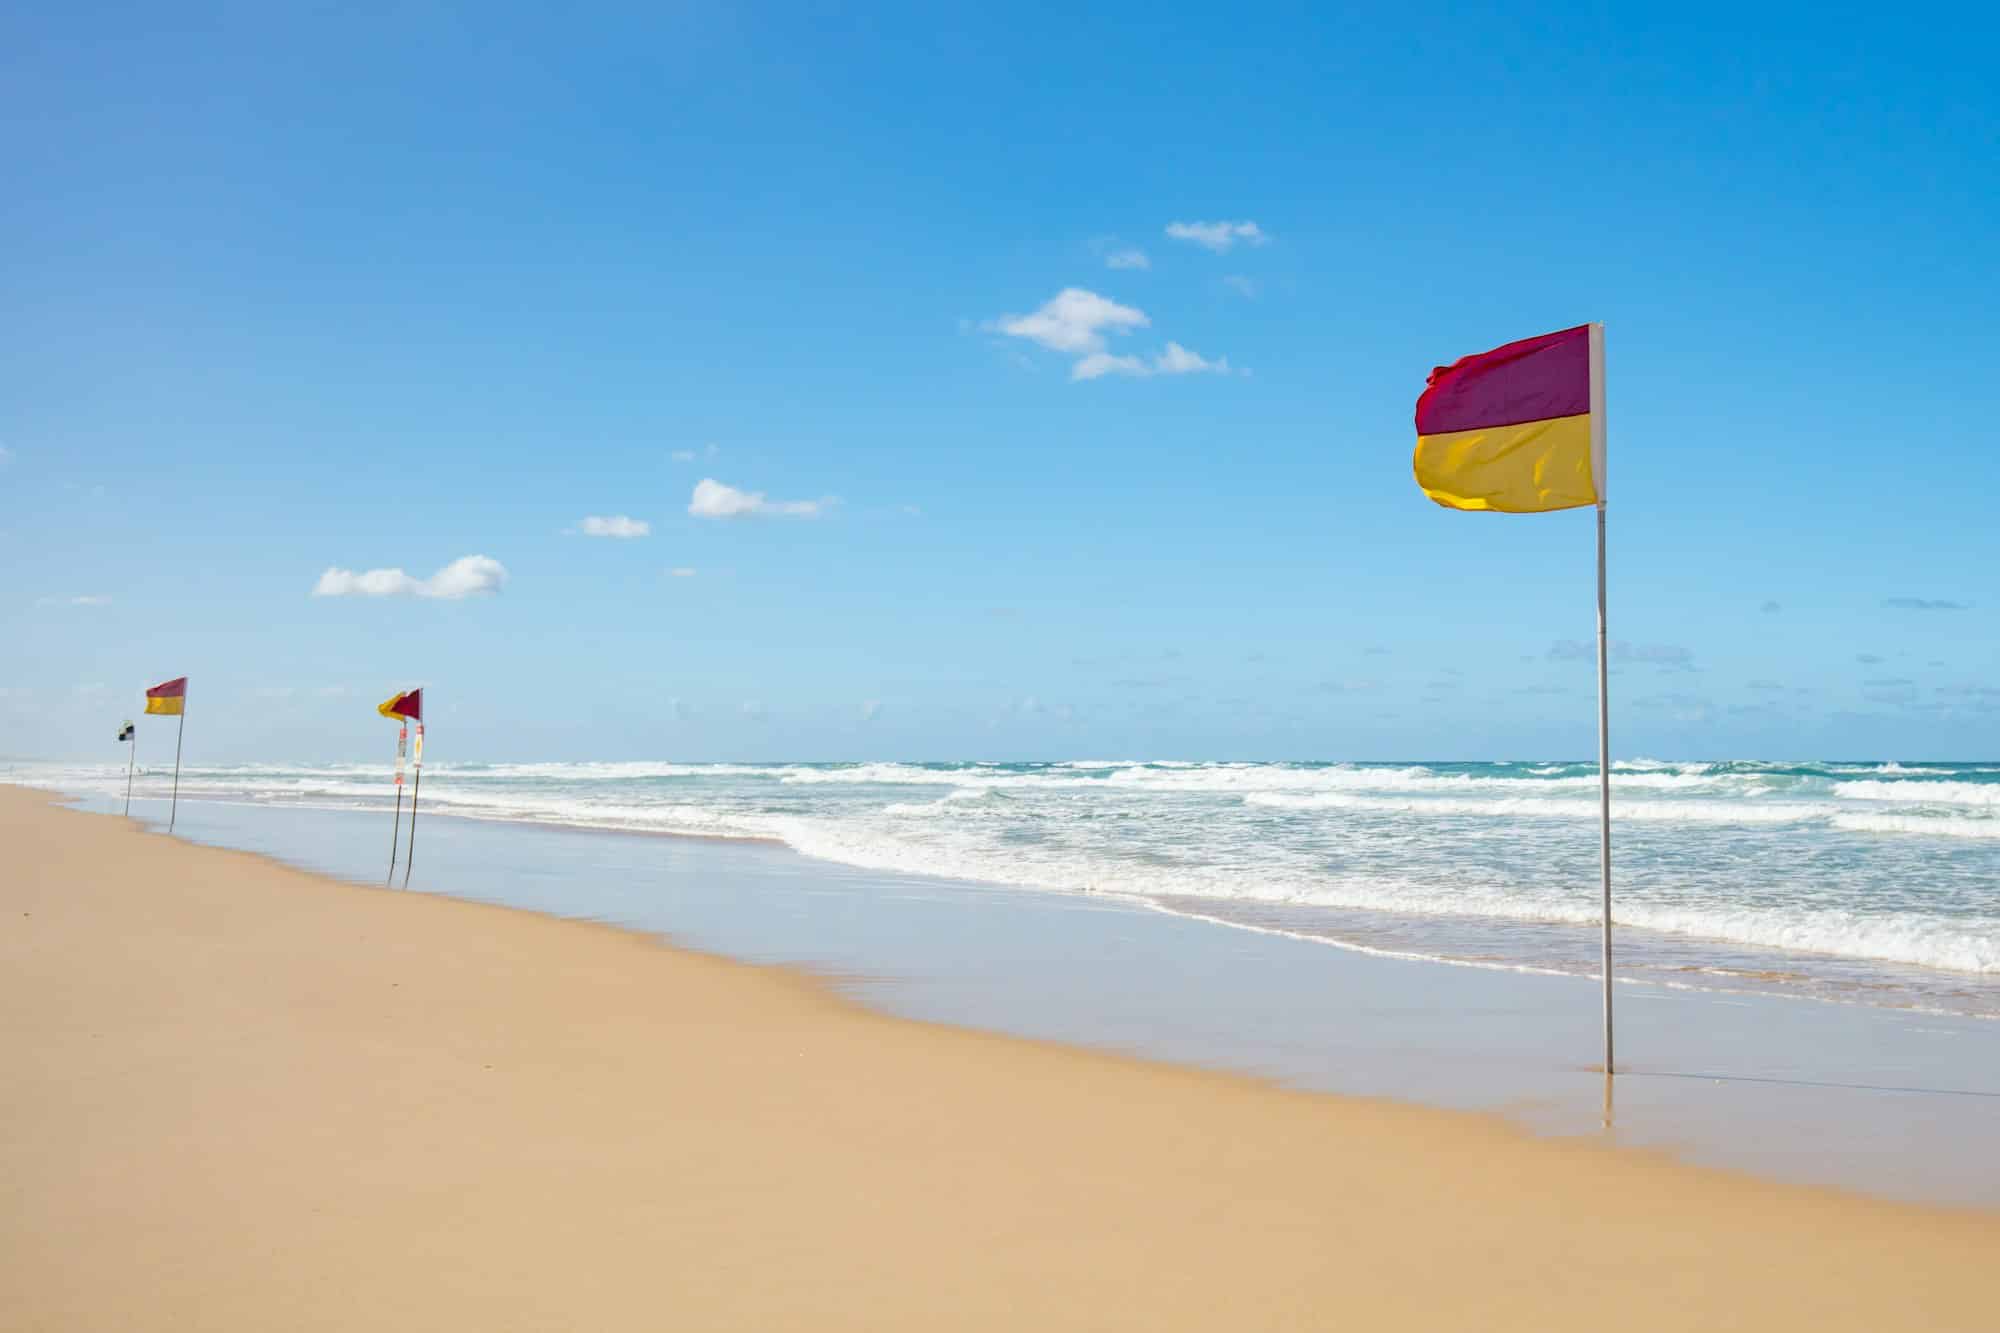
x: 1526, y: 468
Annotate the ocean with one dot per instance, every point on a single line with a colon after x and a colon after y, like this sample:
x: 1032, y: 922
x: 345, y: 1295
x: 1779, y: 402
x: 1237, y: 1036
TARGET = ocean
x: 1874, y: 883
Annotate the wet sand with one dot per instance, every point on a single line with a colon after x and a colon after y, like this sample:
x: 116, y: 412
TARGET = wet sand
x: 244, y: 1096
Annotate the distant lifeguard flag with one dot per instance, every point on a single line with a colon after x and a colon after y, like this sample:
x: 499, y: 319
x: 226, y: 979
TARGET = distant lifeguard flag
x: 409, y: 705
x: 169, y: 697
x: 1519, y: 429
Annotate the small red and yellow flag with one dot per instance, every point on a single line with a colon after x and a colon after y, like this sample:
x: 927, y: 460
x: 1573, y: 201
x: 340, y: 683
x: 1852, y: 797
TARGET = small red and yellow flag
x: 409, y: 705
x: 169, y: 697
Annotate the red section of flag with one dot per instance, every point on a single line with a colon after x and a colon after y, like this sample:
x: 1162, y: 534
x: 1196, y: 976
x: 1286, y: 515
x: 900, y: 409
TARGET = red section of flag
x: 170, y: 689
x: 410, y: 705
x: 1530, y: 380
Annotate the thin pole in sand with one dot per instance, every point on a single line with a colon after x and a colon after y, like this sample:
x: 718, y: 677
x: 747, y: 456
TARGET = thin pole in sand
x: 1603, y: 675
x: 174, y: 810
x: 396, y: 829
x: 132, y: 735
x: 416, y: 786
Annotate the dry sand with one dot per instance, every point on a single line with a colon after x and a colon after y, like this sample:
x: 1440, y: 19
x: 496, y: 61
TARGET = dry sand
x: 239, y: 1096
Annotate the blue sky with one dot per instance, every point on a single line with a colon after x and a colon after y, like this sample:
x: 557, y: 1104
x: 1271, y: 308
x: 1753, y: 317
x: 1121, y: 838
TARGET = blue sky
x: 384, y: 290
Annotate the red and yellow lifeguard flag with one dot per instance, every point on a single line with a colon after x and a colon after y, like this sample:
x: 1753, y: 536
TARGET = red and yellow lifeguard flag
x: 169, y: 697
x: 409, y: 705
x: 1519, y: 429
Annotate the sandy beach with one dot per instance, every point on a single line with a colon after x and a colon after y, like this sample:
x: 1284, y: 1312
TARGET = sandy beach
x: 244, y: 1096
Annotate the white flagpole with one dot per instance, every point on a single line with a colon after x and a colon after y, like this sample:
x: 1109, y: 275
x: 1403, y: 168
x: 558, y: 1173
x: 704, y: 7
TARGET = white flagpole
x: 396, y: 827
x: 131, y: 759
x: 1603, y: 673
x: 416, y: 786
x: 173, y: 812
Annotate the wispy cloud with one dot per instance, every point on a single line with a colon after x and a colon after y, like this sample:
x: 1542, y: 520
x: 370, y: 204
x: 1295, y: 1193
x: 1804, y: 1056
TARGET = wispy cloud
x: 1247, y: 288
x: 6, y: 455
x: 88, y: 599
x: 689, y: 455
x: 713, y: 499
x: 1922, y: 604
x: 467, y: 576
x: 1178, y: 360
x: 1221, y: 237
x: 1131, y: 257
x: 1666, y: 656
x: 1175, y: 360
x: 1680, y: 707
x: 681, y: 572
x: 1870, y: 659
x: 615, y: 525
x: 1098, y: 364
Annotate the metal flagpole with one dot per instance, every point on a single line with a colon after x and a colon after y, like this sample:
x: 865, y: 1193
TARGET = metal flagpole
x: 396, y: 829
x: 130, y: 760
x: 174, y: 810
x: 1603, y: 673
x: 416, y: 786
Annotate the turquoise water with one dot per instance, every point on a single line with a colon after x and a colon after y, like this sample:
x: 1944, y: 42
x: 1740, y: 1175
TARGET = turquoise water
x: 1863, y: 882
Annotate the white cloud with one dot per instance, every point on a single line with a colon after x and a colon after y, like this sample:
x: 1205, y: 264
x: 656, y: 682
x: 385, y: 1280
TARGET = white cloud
x: 89, y: 599
x: 615, y: 525
x: 681, y: 572
x: 1073, y: 320
x: 1247, y: 288
x: 1178, y: 360
x: 1221, y: 237
x: 1128, y: 258
x: 1103, y: 363
x: 683, y: 455
x: 466, y: 576
x: 712, y: 499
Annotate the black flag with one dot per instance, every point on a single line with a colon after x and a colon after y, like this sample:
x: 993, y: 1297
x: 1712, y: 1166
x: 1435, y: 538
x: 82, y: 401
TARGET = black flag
x: 126, y: 734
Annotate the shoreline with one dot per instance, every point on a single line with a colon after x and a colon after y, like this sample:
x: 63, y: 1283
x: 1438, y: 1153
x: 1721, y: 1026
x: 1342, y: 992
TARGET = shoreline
x: 223, y: 1056
x: 1777, y: 980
